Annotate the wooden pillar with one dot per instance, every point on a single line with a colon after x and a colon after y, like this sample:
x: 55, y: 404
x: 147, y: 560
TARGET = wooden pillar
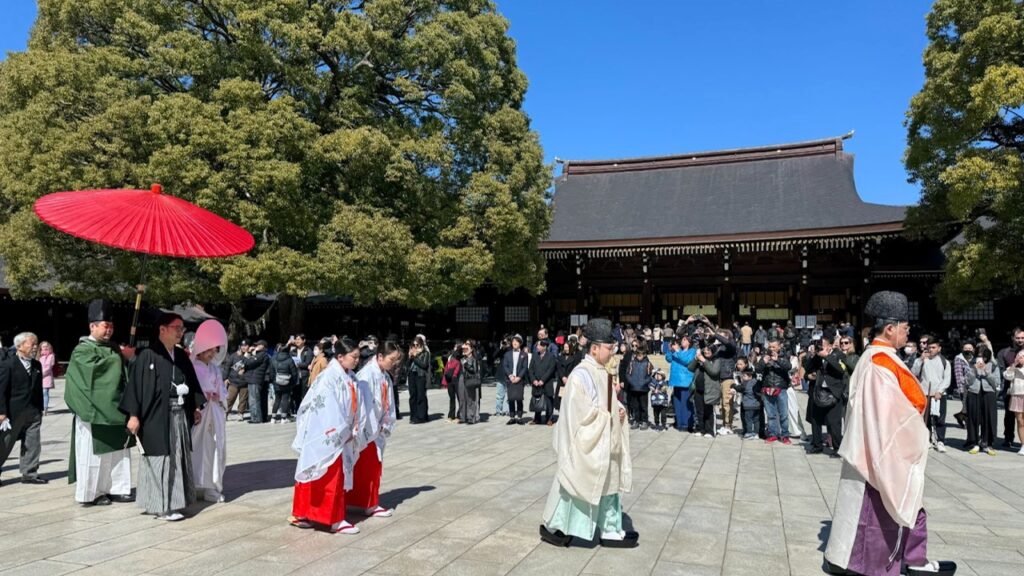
x: 581, y: 296
x: 725, y: 299
x: 645, y: 299
x: 804, y: 297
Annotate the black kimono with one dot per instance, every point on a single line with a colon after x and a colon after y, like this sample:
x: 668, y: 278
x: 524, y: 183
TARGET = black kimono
x: 150, y: 392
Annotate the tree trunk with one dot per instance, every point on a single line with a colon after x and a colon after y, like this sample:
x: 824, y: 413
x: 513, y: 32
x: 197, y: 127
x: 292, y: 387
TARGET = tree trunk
x: 292, y: 314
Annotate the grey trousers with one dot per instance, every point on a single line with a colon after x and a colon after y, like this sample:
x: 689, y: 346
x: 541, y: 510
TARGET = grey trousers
x: 25, y: 427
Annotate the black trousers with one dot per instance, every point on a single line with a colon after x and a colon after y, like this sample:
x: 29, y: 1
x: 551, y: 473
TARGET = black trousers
x: 660, y: 415
x: 258, y: 403
x: 417, y: 398
x: 453, y: 400
x: 637, y: 406
x: 936, y: 423
x: 832, y: 419
x: 515, y: 408
x: 751, y: 420
x: 981, y: 419
x: 548, y: 406
x: 398, y: 407
x: 282, y: 401
x: 704, y: 415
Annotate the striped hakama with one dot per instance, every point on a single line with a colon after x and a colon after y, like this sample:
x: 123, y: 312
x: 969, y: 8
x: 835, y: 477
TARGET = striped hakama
x: 166, y: 482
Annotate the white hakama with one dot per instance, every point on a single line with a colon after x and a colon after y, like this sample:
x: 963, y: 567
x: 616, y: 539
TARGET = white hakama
x: 99, y: 474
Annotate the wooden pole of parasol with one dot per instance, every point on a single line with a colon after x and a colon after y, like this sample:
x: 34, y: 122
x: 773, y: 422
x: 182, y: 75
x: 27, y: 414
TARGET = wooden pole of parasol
x: 140, y: 289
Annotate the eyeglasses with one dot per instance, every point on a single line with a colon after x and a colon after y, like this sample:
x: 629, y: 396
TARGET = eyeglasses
x: 176, y: 327
x: 845, y: 342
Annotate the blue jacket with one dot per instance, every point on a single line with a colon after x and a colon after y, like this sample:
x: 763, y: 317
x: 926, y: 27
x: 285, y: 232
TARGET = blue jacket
x: 679, y: 375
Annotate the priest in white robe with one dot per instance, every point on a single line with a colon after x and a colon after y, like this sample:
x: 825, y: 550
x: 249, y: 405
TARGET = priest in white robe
x: 594, y: 466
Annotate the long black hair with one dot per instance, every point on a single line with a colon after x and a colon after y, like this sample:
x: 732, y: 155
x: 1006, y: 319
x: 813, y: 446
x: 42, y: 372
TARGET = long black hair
x: 343, y: 346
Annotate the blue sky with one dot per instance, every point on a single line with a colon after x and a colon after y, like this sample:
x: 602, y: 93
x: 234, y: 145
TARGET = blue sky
x: 649, y: 77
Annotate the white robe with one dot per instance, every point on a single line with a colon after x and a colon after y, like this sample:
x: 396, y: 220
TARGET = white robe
x: 99, y: 474
x: 590, y: 441
x: 329, y: 425
x: 379, y: 401
x: 209, y: 440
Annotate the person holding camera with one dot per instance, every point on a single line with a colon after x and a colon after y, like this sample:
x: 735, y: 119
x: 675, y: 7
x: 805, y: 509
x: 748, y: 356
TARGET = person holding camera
x: 934, y: 373
x: 680, y: 379
x: 419, y: 375
x: 773, y: 369
x: 826, y: 395
x: 983, y: 384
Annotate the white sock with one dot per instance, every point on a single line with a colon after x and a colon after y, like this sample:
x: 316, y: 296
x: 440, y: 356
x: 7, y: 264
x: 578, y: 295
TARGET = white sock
x: 613, y: 535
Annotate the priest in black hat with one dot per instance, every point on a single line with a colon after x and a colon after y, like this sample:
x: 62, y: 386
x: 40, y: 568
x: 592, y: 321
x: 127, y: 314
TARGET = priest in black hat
x: 100, y: 464
x: 594, y: 466
x: 879, y: 525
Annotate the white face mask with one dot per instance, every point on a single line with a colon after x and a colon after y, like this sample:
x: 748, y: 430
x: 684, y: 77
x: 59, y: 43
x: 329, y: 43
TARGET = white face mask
x: 908, y: 350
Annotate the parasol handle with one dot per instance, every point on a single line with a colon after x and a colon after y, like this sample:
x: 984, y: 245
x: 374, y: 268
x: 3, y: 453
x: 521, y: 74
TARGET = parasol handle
x: 139, y: 291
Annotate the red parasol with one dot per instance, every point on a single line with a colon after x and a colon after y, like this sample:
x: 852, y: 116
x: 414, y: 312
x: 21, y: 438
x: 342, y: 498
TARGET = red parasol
x: 145, y: 221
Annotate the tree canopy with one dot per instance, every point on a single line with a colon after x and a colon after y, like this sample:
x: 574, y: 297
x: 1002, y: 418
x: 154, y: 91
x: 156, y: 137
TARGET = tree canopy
x: 375, y: 148
x: 965, y: 145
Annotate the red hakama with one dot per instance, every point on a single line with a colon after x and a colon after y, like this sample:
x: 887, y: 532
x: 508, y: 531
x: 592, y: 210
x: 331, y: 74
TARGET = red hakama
x: 322, y: 500
x: 365, y: 492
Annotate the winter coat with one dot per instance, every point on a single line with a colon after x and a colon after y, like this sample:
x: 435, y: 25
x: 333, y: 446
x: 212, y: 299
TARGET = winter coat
x: 638, y: 374
x: 284, y: 367
x: 680, y: 376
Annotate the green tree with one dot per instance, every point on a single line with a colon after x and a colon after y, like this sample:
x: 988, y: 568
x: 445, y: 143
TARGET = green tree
x: 374, y: 148
x: 965, y: 145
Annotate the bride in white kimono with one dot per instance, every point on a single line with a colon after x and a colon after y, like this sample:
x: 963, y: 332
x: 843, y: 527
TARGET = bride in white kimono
x: 209, y: 443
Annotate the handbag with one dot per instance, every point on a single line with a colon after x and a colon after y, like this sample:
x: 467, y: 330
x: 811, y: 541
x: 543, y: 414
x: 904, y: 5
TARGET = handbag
x: 537, y: 404
x: 283, y: 379
x: 823, y: 397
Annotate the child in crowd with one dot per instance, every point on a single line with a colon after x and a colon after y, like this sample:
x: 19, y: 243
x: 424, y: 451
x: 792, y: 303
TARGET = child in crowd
x: 638, y: 382
x: 660, y: 399
x: 746, y: 385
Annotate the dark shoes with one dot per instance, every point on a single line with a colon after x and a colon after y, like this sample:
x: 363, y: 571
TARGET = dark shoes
x: 831, y: 568
x: 556, y: 538
x: 511, y: 421
x: 35, y: 480
x: 816, y: 450
x: 122, y: 498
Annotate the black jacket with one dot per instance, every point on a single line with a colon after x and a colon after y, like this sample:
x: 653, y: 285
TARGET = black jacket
x: 544, y: 369
x: 830, y: 371
x: 231, y: 372
x: 419, y: 367
x: 149, y: 395
x: 305, y: 356
x: 20, y: 389
x: 284, y: 366
x: 774, y: 373
x: 256, y: 368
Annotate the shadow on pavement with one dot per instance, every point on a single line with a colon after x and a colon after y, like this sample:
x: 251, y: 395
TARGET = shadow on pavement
x: 395, y: 498
x: 826, y: 529
x: 249, y: 477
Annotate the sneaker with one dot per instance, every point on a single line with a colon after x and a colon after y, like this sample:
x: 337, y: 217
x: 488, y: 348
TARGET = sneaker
x: 709, y: 435
x: 750, y: 436
x: 1021, y: 452
x: 634, y: 426
x: 974, y: 450
x: 723, y: 431
x: 941, y: 447
x: 644, y: 426
x: 172, y: 517
x: 787, y: 441
x: 990, y: 451
x: 770, y: 439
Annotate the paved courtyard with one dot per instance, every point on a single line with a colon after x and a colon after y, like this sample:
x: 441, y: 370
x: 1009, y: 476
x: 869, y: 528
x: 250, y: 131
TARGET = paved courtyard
x: 468, y: 501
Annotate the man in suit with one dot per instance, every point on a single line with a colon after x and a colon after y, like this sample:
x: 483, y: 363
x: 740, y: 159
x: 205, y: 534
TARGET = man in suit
x: 542, y: 377
x: 21, y: 406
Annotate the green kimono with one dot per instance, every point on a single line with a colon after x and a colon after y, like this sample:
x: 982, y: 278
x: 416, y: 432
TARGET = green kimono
x: 94, y: 384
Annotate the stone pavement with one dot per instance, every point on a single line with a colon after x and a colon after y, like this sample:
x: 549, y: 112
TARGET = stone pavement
x: 468, y: 501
